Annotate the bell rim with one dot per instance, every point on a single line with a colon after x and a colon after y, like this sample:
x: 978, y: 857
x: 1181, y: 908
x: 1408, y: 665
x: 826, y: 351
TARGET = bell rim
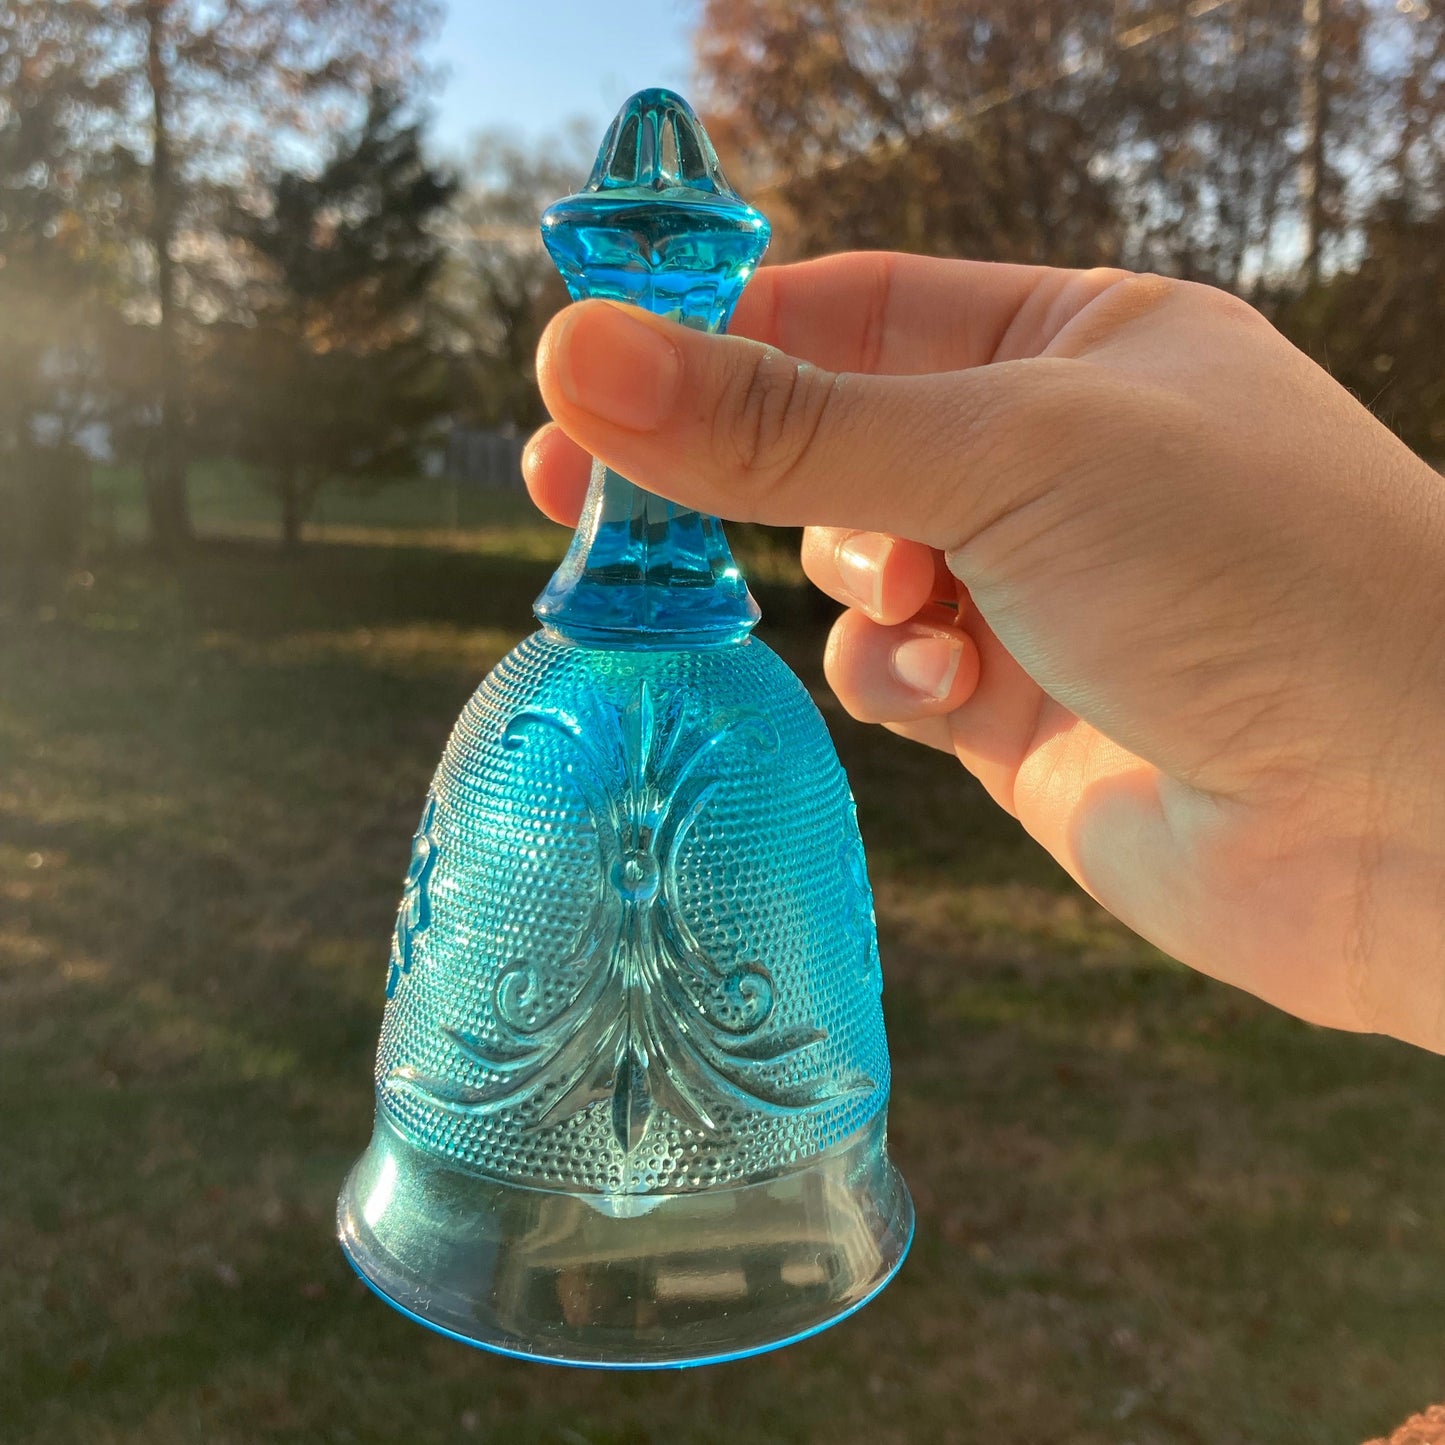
x: 537, y: 1357
x: 874, y: 1184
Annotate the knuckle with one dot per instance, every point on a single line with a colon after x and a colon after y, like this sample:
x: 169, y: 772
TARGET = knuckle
x: 1141, y: 290
x: 1032, y: 472
x: 1223, y: 305
x: 840, y: 668
x: 818, y: 554
x: 769, y: 417
x: 1126, y: 298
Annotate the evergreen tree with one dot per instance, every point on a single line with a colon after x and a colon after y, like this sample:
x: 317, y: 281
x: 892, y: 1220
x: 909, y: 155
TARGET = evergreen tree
x: 500, y: 287
x: 332, y: 372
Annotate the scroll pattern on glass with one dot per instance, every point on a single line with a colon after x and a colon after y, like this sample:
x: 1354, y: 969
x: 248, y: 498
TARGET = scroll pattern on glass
x: 638, y: 1014
x: 413, y: 917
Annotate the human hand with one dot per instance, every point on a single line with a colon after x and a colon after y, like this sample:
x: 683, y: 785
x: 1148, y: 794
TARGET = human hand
x: 1196, y: 646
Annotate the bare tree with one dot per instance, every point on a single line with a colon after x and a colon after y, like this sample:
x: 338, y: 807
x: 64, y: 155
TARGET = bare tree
x: 60, y: 191
x: 1158, y: 133
x: 500, y: 286
x: 206, y: 94
x: 923, y: 126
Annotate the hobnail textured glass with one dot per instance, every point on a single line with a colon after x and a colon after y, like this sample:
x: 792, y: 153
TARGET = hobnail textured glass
x: 632, y: 1074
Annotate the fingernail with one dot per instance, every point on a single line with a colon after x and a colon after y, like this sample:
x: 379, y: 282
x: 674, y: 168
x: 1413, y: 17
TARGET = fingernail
x: 928, y: 664
x: 617, y: 367
x: 860, y: 565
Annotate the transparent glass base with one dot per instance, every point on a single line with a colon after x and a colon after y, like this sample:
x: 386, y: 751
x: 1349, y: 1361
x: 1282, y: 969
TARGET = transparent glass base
x: 625, y: 1281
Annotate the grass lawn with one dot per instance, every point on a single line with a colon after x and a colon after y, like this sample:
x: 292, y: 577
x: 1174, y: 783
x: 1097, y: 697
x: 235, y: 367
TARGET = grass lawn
x: 1150, y: 1210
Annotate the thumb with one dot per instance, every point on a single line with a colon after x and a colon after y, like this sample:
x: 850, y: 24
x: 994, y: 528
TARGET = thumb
x: 736, y: 428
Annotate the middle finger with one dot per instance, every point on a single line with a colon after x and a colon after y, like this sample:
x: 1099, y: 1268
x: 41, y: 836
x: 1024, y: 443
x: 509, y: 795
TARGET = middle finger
x: 887, y: 578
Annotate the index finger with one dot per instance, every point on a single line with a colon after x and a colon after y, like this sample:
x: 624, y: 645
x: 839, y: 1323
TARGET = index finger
x: 892, y: 314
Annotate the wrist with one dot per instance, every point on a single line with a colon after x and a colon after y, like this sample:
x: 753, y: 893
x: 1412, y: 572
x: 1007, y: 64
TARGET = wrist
x: 1331, y: 906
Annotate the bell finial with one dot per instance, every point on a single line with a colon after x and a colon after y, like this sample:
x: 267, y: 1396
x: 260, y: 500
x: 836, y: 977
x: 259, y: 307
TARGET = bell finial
x: 657, y: 142
x: 657, y: 223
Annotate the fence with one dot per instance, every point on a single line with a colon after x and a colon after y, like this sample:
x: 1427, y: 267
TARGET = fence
x: 486, y: 458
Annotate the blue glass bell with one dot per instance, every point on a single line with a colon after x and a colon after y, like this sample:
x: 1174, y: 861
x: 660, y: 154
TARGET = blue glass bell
x: 632, y: 1078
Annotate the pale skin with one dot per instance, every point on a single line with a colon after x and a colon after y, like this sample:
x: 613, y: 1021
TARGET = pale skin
x: 1170, y: 593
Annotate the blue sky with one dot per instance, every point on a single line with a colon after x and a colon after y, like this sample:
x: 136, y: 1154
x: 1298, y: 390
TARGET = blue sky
x: 531, y: 65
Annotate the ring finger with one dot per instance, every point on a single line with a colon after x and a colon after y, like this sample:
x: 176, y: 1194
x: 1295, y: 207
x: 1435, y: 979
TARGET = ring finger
x: 925, y: 667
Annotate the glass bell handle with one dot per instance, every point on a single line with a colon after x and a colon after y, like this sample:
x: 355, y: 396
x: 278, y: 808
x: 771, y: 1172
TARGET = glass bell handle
x: 658, y: 226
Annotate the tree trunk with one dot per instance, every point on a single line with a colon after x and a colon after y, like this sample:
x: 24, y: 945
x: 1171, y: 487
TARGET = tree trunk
x: 51, y: 491
x: 1312, y: 123
x: 167, y: 508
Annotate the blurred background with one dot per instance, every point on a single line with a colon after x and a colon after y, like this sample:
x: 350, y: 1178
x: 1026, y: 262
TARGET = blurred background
x: 270, y: 285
